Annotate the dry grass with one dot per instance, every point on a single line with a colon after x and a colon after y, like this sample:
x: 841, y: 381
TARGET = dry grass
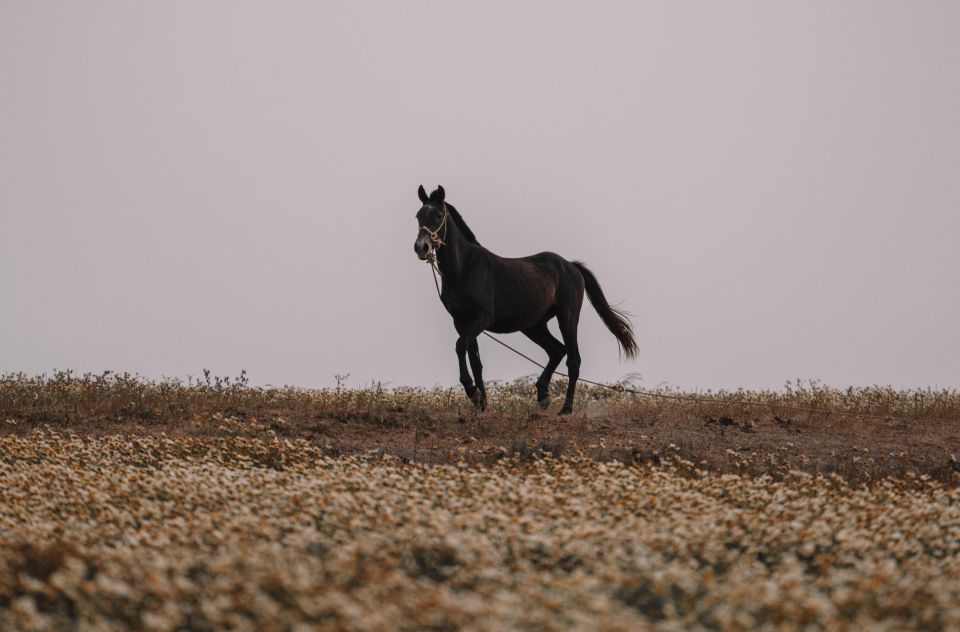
x: 266, y: 534
x: 913, y: 434
x: 65, y: 395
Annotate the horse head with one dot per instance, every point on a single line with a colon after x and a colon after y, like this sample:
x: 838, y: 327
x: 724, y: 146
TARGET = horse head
x: 432, y: 219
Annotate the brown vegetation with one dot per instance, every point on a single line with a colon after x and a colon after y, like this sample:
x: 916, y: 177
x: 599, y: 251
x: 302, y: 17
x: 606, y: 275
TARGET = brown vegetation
x: 154, y: 533
x: 129, y: 504
x: 903, y: 433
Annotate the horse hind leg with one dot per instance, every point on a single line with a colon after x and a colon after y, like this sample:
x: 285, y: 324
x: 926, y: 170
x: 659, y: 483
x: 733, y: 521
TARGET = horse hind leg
x: 541, y: 335
x: 568, y: 320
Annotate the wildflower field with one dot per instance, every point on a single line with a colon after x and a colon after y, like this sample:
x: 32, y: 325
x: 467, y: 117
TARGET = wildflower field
x: 129, y: 504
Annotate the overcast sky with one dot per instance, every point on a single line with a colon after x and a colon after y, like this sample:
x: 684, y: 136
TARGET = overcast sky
x: 771, y: 188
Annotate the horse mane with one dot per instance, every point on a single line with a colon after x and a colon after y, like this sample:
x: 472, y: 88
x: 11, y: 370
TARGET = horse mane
x: 462, y: 225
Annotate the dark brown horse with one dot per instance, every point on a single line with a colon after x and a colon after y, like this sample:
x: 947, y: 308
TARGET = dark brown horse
x: 483, y: 291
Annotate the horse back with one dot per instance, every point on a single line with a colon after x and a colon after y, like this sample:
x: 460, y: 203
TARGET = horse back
x: 528, y: 290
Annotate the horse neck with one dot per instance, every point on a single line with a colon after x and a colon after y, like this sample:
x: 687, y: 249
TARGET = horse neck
x: 451, y: 256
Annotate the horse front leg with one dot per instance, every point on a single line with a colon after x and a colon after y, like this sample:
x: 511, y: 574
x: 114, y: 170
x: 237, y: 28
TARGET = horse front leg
x: 465, y: 379
x: 467, y: 342
x: 480, y: 394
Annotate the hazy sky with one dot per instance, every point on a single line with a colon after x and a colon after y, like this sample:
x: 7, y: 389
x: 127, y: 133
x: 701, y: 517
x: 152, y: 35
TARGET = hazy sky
x: 772, y: 188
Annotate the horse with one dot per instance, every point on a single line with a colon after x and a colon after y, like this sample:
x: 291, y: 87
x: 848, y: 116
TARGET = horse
x: 486, y: 292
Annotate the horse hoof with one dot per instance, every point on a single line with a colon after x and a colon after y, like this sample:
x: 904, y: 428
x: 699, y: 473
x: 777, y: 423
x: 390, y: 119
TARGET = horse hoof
x: 566, y: 410
x: 479, y: 400
x: 544, y: 403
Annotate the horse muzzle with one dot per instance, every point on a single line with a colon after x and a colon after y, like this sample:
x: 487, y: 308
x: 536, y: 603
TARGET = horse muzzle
x: 423, y: 247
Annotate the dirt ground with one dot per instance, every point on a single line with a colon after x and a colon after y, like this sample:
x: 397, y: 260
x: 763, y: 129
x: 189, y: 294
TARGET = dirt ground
x: 860, y: 450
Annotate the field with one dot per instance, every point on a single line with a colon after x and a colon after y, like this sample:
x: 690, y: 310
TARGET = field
x: 129, y: 504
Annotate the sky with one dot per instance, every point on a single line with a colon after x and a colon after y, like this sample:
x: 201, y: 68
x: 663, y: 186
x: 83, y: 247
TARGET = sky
x: 772, y: 189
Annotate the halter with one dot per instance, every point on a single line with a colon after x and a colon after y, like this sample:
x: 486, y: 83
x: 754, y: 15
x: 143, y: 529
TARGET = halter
x: 434, y: 235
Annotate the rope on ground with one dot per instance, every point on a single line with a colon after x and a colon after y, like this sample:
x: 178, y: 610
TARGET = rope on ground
x: 632, y: 390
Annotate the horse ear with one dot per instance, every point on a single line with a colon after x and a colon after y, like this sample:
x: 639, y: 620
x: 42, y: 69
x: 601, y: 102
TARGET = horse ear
x: 439, y: 195
x: 423, y: 194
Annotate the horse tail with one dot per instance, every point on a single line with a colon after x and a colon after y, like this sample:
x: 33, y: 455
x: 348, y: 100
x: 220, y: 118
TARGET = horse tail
x: 615, y: 320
